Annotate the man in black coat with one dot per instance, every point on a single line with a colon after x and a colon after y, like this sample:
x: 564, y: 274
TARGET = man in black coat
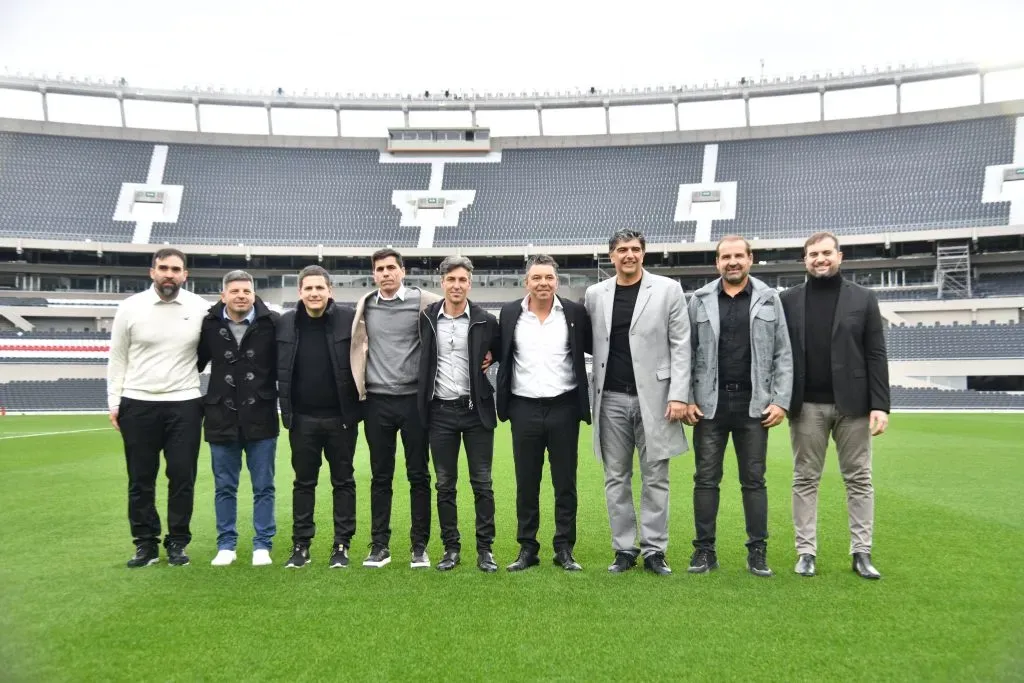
x: 320, y: 408
x: 840, y: 388
x: 240, y: 411
x: 542, y: 389
x: 456, y: 403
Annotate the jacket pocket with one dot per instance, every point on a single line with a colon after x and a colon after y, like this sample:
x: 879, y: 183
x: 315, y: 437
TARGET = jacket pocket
x: 663, y: 373
x: 860, y: 374
x: 766, y: 313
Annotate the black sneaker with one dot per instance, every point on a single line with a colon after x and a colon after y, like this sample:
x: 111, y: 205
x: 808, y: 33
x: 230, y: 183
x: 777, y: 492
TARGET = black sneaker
x: 300, y: 557
x: 623, y: 562
x: 145, y: 555
x: 339, y: 558
x: 419, y: 557
x: 176, y: 556
x: 655, y: 562
x: 379, y: 556
x: 757, y: 563
x: 702, y: 561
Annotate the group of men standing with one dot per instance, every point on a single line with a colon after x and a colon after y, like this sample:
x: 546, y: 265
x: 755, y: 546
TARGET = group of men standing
x: 406, y: 363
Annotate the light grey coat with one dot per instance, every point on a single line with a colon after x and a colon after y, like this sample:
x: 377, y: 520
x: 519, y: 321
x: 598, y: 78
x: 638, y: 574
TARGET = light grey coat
x: 771, y: 356
x: 659, y: 341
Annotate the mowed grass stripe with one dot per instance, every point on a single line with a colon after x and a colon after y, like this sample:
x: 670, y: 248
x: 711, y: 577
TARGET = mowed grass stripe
x: 949, y: 608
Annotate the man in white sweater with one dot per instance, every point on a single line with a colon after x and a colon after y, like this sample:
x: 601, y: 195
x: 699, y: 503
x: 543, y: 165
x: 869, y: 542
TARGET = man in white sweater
x: 154, y: 399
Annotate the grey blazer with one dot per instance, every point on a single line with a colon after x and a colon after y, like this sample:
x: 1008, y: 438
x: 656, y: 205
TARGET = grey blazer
x: 771, y: 356
x: 659, y: 341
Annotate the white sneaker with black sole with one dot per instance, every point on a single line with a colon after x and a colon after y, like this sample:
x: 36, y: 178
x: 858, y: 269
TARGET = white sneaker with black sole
x: 379, y: 556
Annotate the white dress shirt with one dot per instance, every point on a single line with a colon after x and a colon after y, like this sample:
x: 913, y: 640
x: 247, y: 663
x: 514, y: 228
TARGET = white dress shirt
x: 153, y: 348
x: 542, y: 362
x: 400, y: 295
x: 452, y: 356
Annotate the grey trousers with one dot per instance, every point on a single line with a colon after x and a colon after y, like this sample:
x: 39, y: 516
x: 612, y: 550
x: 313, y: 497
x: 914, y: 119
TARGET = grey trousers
x: 809, y: 435
x: 622, y: 433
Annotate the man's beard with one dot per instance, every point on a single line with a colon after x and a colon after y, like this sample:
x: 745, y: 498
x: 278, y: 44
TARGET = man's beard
x: 169, y: 290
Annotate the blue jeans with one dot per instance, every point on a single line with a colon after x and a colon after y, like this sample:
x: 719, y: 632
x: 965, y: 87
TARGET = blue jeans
x: 227, y: 465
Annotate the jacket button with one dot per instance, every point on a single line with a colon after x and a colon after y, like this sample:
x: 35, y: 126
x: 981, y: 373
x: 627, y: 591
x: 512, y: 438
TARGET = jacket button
x: 602, y: 365
x: 606, y: 338
x: 249, y: 376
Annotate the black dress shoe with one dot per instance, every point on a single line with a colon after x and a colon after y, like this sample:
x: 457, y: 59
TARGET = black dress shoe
x: 565, y: 560
x: 655, y: 562
x: 805, y: 565
x: 862, y: 565
x: 449, y: 561
x: 525, y: 560
x: 623, y: 562
x: 485, y: 562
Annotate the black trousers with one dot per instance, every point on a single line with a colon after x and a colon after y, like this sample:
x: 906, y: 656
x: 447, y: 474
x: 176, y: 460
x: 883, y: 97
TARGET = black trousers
x: 312, y: 440
x: 148, y: 427
x: 750, y: 440
x: 385, y: 418
x: 452, y: 425
x: 550, y: 424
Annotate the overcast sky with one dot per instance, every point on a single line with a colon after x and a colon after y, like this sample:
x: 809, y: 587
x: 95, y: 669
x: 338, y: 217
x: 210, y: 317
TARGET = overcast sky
x: 463, y: 46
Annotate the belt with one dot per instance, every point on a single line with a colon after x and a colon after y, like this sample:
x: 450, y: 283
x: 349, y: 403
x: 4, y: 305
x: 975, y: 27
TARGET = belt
x: 464, y: 402
x: 621, y: 389
x: 547, y: 400
x: 737, y: 386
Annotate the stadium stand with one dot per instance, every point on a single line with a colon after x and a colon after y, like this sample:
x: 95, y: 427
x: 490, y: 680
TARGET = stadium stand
x: 67, y: 188
x: 18, y: 334
x: 911, y: 178
x: 943, y: 399
x: 573, y: 196
x: 90, y: 395
x: 298, y: 196
x: 23, y: 301
x: 897, y: 178
x: 956, y: 342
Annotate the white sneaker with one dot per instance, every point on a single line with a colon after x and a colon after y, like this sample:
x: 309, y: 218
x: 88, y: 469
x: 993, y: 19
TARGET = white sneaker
x: 224, y: 558
x: 261, y: 557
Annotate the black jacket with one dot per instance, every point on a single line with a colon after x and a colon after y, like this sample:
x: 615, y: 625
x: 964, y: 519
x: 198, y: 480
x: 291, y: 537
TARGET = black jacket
x: 241, y: 400
x: 860, y: 364
x: 580, y: 340
x: 339, y: 320
x: 484, y: 336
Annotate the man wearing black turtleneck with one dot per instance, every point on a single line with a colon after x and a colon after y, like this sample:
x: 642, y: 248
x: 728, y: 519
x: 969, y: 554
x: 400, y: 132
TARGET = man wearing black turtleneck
x: 840, y: 388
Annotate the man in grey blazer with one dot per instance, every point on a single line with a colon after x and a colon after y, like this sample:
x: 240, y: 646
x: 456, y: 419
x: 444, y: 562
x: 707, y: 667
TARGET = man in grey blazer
x: 641, y: 377
x: 742, y: 384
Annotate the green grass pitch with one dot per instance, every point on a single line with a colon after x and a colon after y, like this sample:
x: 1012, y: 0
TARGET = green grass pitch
x: 949, y: 541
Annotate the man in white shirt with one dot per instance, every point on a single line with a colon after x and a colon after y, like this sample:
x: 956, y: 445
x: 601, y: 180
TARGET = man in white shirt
x: 542, y: 389
x: 154, y: 399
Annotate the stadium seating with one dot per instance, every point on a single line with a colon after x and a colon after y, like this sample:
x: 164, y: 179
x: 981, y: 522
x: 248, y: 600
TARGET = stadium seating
x: 943, y: 399
x: 296, y: 196
x: 573, y: 196
x: 896, y: 178
x: 67, y: 188
x: 956, y: 342
x: 90, y: 395
x: 908, y: 178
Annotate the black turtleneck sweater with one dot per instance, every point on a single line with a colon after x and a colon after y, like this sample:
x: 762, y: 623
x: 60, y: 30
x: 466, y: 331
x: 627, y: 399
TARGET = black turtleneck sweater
x: 822, y: 296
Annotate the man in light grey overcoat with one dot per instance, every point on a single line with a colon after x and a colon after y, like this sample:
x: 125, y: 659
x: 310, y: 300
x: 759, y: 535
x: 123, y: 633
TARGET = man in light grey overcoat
x: 641, y: 380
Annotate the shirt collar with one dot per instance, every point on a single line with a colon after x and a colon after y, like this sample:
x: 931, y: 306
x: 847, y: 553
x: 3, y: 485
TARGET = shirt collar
x: 526, y: 303
x: 249, y: 317
x: 400, y: 295
x: 748, y: 289
x: 441, y: 313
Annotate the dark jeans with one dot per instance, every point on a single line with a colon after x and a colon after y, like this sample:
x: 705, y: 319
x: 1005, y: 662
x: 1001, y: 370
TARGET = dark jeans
x: 552, y: 424
x: 312, y: 439
x: 750, y: 440
x: 385, y: 418
x: 450, y: 425
x: 148, y: 427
